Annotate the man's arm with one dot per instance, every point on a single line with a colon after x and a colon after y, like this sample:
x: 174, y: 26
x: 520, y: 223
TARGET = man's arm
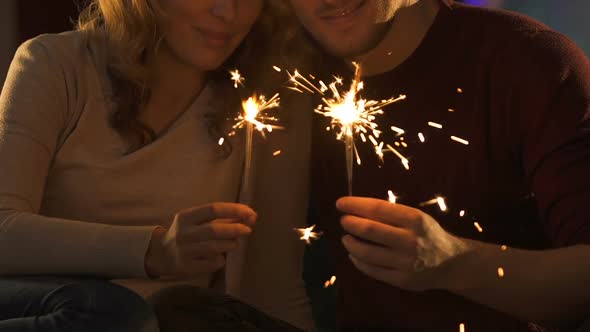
x: 407, y: 248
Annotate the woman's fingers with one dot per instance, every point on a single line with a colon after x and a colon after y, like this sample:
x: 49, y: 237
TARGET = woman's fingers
x: 214, y: 231
x: 208, y: 248
x: 206, y: 213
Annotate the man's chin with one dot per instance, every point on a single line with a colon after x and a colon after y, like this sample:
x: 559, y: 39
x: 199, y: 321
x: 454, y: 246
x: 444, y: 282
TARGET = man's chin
x: 350, y: 52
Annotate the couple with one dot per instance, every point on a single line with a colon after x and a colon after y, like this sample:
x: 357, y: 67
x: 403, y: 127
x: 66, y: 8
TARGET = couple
x: 117, y: 204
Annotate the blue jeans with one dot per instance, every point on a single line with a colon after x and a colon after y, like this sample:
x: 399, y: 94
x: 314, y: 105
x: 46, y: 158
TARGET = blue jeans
x: 48, y: 304
x: 187, y: 308
x: 44, y: 304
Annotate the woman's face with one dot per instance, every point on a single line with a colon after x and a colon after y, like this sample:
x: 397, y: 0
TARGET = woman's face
x: 204, y: 33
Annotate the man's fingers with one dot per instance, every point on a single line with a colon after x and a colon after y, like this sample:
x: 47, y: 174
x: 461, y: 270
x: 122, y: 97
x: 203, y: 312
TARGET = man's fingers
x: 231, y: 211
x: 391, y: 277
x: 373, y: 231
x: 378, y: 255
x: 376, y: 209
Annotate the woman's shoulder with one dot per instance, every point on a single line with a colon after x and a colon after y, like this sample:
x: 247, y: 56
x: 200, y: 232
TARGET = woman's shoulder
x: 66, y: 46
x: 69, y: 49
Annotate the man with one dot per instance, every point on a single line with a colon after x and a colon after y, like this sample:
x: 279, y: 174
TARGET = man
x: 495, y: 131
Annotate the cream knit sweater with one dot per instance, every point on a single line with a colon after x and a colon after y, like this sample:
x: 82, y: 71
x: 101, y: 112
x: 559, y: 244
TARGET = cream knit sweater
x: 72, y: 203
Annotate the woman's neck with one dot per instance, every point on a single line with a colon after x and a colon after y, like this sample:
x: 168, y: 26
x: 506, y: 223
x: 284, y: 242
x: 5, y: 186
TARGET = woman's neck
x: 175, y: 84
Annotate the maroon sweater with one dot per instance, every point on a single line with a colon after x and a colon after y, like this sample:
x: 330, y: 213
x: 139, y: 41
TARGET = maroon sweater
x: 525, y: 176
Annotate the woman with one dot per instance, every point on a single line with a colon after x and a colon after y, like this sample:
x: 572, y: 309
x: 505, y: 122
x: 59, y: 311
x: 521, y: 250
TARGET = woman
x: 109, y: 162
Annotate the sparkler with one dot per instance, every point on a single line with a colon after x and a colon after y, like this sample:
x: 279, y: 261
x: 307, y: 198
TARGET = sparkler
x: 350, y: 114
x: 307, y: 234
x: 254, y: 116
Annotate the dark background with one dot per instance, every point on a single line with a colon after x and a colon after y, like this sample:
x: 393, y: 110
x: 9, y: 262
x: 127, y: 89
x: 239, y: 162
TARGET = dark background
x: 34, y: 17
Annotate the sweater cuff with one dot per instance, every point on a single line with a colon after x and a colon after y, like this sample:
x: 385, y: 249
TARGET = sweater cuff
x: 121, y: 250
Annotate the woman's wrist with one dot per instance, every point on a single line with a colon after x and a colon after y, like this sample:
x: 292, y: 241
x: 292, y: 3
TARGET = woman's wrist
x: 154, y: 257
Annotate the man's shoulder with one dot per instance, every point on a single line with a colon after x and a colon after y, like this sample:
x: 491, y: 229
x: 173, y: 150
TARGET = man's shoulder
x: 497, y: 21
x: 518, y: 41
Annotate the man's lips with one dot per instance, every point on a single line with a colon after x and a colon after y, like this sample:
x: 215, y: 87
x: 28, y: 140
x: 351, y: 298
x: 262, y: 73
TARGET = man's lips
x: 343, y: 11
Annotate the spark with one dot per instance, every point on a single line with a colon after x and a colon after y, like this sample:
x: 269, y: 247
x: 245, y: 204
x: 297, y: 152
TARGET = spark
x: 404, y: 160
x: 462, y: 213
x: 451, y: 110
x: 461, y: 327
x: 237, y: 78
x: 479, y: 229
x: 278, y: 69
x: 421, y: 137
x: 435, y: 125
x: 221, y: 140
x: 330, y: 282
x: 392, y: 197
x: 276, y: 153
x: 459, y: 90
x: 500, y: 272
x: 350, y: 114
x: 399, y: 131
x: 441, y: 203
x: 379, y: 151
x: 460, y: 140
x: 504, y: 248
x: 307, y: 234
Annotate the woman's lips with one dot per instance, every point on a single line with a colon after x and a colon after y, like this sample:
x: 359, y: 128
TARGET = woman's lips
x: 215, y: 38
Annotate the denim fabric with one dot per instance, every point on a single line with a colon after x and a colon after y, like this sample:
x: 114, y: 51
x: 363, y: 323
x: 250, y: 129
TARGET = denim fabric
x: 51, y: 304
x: 187, y: 308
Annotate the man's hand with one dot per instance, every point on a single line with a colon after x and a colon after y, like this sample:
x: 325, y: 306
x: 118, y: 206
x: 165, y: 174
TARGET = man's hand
x: 397, y: 244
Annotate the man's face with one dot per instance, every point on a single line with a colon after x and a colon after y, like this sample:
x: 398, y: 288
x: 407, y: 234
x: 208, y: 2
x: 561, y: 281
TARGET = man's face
x: 346, y: 28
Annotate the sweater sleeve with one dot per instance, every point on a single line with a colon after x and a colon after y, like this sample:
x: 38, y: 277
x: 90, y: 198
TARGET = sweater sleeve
x: 554, y: 102
x: 34, y: 108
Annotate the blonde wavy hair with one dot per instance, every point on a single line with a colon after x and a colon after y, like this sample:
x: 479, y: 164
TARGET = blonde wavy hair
x: 132, y: 30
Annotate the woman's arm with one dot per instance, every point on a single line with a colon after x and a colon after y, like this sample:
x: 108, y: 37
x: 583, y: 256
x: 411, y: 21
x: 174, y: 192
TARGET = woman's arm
x: 34, y: 108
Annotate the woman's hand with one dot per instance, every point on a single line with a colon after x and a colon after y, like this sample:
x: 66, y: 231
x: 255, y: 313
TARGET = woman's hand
x: 198, y: 239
